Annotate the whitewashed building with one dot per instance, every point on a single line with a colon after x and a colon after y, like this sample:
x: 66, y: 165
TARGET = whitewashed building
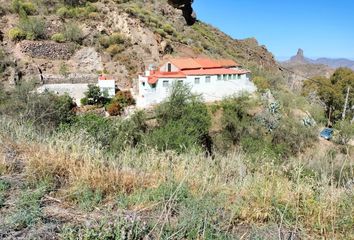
x: 213, y: 79
x: 107, y: 85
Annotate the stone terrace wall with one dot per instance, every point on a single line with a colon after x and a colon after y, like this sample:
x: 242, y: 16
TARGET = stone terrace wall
x: 48, y: 49
x: 70, y: 78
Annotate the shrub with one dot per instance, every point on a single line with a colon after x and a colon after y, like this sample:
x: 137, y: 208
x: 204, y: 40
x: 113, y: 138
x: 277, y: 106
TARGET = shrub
x: 183, y: 120
x: 161, y: 32
x: 58, y: 37
x: 114, y: 109
x: 94, y: 95
x: 46, y: 110
x: 73, y: 33
x: 76, y: 11
x: 28, y: 208
x: 84, y: 101
x: 65, y: 12
x: 117, y: 38
x: 33, y: 27
x: 168, y: 29
x: 27, y: 7
x: 124, y: 98
x: 16, y: 34
x: 293, y: 137
x: 115, y: 49
x: 104, y: 41
x: 345, y: 131
x: 261, y: 83
x: 235, y: 120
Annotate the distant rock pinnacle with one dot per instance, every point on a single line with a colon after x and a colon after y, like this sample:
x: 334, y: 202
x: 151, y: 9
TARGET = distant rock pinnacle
x: 299, y: 57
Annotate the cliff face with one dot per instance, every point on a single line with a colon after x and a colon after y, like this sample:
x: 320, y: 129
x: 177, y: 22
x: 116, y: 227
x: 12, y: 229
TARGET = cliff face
x: 187, y: 9
x: 119, y: 39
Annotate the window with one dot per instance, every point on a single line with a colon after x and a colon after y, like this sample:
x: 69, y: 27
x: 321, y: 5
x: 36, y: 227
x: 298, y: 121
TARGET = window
x: 224, y: 77
x: 230, y: 76
x: 219, y: 77
x: 239, y: 76
x: 153, y: 85
x: 196, y: 80
x: 169, y: 67
x: 207, y: 79
x: 180, y: 81
x: 143, y: 84
x: 165, y: 83
x: 234, y: 76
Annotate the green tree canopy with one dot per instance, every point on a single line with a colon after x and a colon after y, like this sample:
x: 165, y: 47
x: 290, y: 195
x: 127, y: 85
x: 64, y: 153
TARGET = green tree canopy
x: 332, y: 91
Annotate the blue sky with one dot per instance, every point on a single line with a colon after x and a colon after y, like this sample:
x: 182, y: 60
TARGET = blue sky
x: 323, y: 28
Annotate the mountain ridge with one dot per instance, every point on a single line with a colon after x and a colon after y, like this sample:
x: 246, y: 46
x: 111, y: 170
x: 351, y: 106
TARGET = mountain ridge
x: 330, y: 62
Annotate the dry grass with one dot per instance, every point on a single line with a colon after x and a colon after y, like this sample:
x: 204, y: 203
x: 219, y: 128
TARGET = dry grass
x: 255, y: 192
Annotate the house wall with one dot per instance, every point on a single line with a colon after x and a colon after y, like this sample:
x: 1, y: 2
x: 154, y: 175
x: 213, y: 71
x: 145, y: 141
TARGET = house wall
x: 164, y: 68
x: 76, y: 91
x: 215, y: 90
x: 109, y: 86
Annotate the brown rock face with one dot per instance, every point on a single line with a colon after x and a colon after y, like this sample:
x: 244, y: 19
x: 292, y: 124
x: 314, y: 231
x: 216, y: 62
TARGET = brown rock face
x: 187, y: 9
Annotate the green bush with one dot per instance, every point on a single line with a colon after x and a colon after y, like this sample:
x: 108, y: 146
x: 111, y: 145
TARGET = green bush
x: 94, y: 95
x: 115, y: 49
x: 19, y: 6
x: 168, y: 29
x: 73, y: 33
x: 76, y: 11
x: 84, y: 101
x: 117, y: 38
x: 16, y: 34
x: 28, y: 208
x: 33, y: 27
x: 235, y: 119
x: 183, y: 120
x: 46, y: 110
x: 161, y: 32
x: 293, y: 137
x: 58, y: 37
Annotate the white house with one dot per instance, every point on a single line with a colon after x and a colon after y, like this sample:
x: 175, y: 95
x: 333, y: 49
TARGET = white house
x: 107, y: 85
x: 213, y: 79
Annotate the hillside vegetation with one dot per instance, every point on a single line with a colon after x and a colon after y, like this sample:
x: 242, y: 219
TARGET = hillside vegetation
x: 257, y: 172
x: 119, y: 38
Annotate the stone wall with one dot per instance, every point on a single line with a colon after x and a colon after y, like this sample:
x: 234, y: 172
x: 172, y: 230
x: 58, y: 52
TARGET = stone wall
x: 70, y: 78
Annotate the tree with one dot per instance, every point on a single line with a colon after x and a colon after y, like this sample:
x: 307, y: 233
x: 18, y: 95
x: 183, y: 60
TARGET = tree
x: 93, y: 94
x: 332, y: 91
x: 235, y: 120
x: 183, y: 120
x: 345, y: 132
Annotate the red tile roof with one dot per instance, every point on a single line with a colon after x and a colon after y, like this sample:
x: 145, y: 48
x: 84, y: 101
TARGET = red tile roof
x: 197, y: 66
x: 227, y: 63
x: 185, y: 63
x: 156, y: 75
x: 207, y: 63
x: 104, y: 77
x: 214, y: 71
x: 197, y: 63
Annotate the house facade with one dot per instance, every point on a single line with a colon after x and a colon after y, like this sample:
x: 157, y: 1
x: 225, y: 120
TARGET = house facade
x: 107, y: 85
x: 211, y: 78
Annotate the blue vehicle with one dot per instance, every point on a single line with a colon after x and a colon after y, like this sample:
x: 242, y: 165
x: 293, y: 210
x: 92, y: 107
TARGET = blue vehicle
x: 327, y: 133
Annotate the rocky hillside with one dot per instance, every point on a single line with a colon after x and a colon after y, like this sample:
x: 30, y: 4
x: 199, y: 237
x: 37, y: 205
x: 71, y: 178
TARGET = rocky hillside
x: 301, y: 67
x: 73, y: 41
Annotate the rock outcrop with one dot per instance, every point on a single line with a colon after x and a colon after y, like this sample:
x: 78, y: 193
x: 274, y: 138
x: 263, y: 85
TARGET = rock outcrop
x: 187, y: 9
